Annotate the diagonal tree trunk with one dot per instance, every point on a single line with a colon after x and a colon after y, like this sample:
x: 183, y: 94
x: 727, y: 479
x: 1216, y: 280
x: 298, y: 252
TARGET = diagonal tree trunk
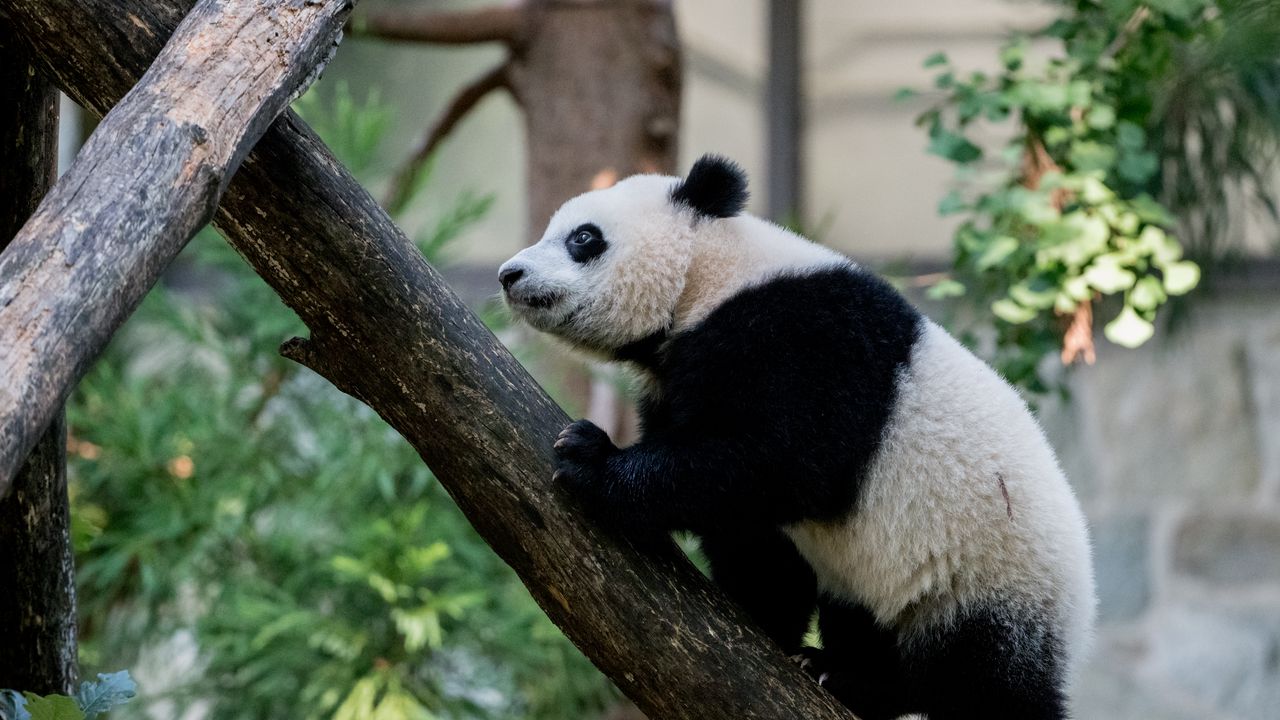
x: 386, y: 329
x: 144, y: 183
x: 38, y: 606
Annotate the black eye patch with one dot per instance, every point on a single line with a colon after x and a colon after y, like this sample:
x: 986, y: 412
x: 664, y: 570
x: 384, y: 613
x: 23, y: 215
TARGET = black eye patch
x: 585, y: 243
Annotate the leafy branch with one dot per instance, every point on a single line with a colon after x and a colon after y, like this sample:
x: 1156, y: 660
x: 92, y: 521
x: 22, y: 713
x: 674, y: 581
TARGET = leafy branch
x: 1074, y: 208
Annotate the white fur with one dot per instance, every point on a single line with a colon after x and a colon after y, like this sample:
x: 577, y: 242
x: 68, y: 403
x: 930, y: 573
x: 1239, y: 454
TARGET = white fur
x: 932, y: 529
x: 665, y: 268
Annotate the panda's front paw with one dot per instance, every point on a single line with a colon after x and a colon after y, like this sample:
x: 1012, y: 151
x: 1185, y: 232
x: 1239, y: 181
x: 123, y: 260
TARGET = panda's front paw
x: 582, y: 454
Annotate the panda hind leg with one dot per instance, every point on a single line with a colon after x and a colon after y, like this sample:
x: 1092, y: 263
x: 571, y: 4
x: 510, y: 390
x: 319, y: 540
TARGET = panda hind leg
x: 859, y: 662
x: 761, y: 570
x: 990, y: 662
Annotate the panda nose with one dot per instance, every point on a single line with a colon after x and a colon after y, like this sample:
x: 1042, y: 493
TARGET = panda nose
x: 509, y: 276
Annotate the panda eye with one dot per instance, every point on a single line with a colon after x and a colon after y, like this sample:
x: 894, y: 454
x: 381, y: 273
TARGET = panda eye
x: 585, y: 243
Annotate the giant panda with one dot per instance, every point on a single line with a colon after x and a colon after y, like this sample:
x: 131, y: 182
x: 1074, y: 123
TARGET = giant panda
x: 833, y: 448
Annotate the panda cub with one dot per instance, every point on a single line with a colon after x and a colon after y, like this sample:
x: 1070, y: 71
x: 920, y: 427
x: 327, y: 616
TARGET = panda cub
x: 834, y: 450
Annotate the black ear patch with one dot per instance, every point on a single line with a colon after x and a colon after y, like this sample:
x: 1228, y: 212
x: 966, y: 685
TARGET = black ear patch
x: 716, y: 187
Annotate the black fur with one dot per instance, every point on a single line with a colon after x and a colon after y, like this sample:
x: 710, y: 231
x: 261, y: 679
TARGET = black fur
x: 715, y: 188
x: 990, y: 661
x: 585, y: 243
x: 768, y: 413
x: 643, y: 352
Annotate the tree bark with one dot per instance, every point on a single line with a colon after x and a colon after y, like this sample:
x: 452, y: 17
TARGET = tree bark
x: 385, y: 329
x: 38, y: 608
x: 144, y: 183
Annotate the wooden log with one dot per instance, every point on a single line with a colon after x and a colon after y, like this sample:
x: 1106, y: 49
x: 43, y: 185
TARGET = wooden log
x: 148, y: 178
x: 38, y: 604
x: 386, y: 329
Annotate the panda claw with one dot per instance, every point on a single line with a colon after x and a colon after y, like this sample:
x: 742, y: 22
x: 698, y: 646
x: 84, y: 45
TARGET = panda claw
x: 822, y: 679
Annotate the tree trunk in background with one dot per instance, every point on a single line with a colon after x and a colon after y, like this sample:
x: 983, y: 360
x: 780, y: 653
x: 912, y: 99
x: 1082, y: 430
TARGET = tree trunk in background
x: 38, y: 604
x: 599, y: 83
x: 784, y: 112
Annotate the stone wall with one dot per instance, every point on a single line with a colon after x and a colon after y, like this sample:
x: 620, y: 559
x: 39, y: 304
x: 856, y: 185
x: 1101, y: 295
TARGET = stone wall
x: 1174, y: 450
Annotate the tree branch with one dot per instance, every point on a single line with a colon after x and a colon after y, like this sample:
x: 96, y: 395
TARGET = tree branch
x: 402, y: 183
x: 144, y: 183
x: 491, y: 24
x: 392, y: 334
x: 38, y: 606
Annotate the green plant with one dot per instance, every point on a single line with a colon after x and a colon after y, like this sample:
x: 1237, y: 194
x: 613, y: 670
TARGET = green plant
x: 226, y: 495
x: 1085, y: 199
x: 94, y: 698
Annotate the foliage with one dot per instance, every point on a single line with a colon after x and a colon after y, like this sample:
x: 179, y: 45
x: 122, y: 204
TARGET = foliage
x: 93, y: 698
x: 253, y: 541
x: 1080, y: 203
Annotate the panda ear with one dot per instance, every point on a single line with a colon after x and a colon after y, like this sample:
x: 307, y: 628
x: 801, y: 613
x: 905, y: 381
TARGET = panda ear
x: 716, y: 188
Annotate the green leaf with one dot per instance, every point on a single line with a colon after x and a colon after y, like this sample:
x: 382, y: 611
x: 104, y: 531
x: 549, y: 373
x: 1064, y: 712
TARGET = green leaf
x: 943, y: 289
x: 1107, y: 276
x: 1000, y: 248
x: 110, y: 690
x: 1077, y: 288
x: 953, y: 146
x: 1179, y: 9
x: 1151, y: 211
x: 1181, y: 277
x: 1037, y: 293
x: 1011, y: 312
x: 1163, y: 249
x: 1131, y: 136
x: 1137, y: 167
x: 1011, y: 55
x: 1088, y: 155
x: 1043, y: 97
x: 1080, y: 93
x: 1147, y: 294
x: 952, y: 203
x: 1095, y: 192
x: 1102, y: 117
x: 905, y: 93
x: 53, y: 707
x: 1129, y: 329
x: 936, y: 59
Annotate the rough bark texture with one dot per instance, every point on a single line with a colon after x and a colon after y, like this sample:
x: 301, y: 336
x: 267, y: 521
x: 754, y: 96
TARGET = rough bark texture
x: 144, y: 183
x: 38, y: 605
x: 386, y: 329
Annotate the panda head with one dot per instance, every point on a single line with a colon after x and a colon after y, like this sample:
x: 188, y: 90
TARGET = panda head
x: 612, y: 265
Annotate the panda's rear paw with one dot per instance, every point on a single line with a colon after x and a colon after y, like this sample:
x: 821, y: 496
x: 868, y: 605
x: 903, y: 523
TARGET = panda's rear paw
x: 812, y: 660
